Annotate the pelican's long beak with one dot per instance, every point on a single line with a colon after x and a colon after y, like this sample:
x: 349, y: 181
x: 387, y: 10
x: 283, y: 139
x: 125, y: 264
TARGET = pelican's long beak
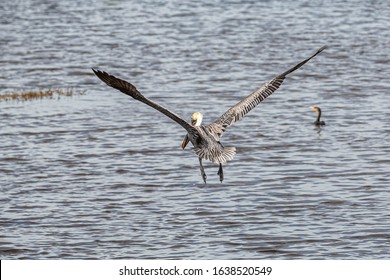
x: 185, y: 142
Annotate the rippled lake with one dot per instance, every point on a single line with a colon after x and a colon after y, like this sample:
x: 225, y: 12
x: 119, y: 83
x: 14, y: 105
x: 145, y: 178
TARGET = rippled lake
x: 102, y: 176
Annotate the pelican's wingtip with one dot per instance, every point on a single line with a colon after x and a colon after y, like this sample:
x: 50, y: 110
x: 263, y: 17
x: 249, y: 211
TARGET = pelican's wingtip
x: 95, y: 71
x: 323, y: 48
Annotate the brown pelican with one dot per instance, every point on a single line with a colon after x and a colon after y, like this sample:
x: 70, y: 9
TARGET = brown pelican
x: 206, y: 138
x: 318, y: 122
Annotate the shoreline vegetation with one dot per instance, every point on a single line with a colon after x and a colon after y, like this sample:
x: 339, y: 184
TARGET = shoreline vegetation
x: 39, y: 94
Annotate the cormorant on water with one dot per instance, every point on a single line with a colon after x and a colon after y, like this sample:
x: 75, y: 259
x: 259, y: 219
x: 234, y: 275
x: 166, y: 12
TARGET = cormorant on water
x: 318, y: 122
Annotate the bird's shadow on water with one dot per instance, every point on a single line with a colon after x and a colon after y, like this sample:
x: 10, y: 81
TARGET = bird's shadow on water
x: 318, y: 129
x: 210, y: 185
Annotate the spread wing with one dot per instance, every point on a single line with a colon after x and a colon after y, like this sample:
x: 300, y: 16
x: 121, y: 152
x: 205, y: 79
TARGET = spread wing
x: 132, y: 91
x: 238, y: 111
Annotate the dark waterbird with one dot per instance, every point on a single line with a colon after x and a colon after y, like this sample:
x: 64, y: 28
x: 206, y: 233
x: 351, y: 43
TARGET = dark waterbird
x: 206, y: 138
x: 318, y: 121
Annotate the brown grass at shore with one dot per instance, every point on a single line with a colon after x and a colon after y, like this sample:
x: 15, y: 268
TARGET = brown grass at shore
x: 39, y: 94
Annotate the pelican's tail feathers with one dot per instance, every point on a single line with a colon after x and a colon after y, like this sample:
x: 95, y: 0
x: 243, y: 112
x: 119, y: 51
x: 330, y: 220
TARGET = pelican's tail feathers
x: 216, y: 156
x: 228, y: 154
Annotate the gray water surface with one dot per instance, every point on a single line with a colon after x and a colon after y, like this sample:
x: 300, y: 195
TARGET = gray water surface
x: 102, y: 176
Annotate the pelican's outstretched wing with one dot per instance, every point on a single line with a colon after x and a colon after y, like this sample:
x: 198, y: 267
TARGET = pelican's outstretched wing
x: 132, y: 91
x: 239, y: 110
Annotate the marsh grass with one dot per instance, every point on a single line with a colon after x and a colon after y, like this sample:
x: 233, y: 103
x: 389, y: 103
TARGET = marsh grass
x: 39, y: 94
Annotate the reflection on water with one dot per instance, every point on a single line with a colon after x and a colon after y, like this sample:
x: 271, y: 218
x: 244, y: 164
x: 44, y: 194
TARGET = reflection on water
x: 101, y: 176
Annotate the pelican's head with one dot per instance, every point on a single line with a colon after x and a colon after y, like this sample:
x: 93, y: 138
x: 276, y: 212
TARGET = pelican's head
x: 196, y: 120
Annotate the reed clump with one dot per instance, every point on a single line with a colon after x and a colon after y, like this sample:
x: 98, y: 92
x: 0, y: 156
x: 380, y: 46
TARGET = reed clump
x: 39, y: 94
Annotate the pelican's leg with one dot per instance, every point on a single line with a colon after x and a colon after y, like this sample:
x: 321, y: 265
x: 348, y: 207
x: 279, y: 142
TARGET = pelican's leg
x: 220, y: 172
x: 202, y: 171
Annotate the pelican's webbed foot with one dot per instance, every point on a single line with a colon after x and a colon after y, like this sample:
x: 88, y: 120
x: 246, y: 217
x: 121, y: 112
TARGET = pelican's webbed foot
x: 220, y: 172
x: 202, y: 171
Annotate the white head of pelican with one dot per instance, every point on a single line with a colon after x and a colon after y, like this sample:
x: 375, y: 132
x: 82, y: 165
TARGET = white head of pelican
x: 196, y: 120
